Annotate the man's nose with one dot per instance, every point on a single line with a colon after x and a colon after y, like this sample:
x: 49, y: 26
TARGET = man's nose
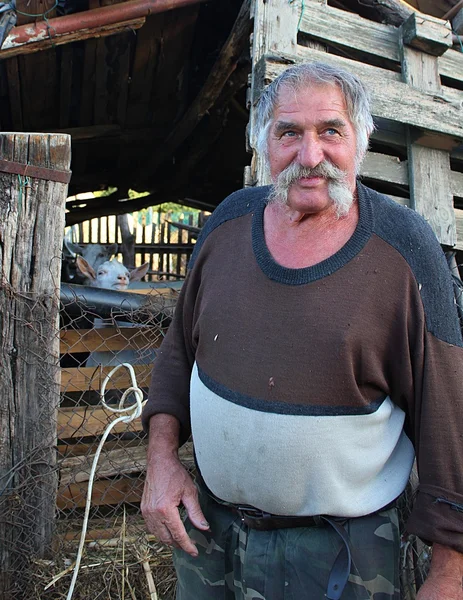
x: 310, y: 152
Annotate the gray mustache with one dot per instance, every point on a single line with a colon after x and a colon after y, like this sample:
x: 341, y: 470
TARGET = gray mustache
x: 296, y: 171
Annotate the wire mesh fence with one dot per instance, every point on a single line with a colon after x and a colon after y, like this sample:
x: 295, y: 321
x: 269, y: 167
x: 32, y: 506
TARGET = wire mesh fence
x: 43, y: 492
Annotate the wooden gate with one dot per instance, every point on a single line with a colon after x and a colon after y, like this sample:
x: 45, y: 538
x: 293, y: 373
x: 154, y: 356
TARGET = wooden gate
x: 415, y: 80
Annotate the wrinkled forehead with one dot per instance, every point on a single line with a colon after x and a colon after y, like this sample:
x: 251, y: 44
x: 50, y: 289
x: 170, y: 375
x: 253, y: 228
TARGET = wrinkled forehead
x: 320, y: 95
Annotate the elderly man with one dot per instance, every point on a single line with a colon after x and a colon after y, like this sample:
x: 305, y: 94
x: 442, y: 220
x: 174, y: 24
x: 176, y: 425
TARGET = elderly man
x: 314, y: 350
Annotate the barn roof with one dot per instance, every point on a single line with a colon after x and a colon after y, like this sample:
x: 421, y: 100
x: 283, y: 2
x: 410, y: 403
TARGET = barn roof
x: 153, y: 92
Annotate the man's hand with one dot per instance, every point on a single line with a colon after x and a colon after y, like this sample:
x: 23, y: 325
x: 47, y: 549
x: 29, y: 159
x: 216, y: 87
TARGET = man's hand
x: 167, y: 486
x: 444, y: 581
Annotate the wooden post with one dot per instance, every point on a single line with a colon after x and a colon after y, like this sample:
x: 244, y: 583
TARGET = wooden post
x: 128, y: 241
x: 275, y: 31
x: 31, y: 237
x: 429, y: 168
x: 276, y: 27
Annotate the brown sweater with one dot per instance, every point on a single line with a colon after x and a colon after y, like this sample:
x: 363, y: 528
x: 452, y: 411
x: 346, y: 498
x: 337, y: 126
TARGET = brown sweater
x: 308, y: 390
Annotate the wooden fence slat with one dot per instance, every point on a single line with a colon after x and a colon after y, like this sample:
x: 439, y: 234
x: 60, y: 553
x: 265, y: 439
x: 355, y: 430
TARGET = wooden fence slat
x: 109, y: 491
x: 91, y: 378
x: 31, y: 221
x: 109, y: 338
x: 124, y: 460
x: 349, y: 30
x: 391, y: 97
x: 83, y: 421
x: 429, y: 168
x: 382, y: 167
x: 104, y: 492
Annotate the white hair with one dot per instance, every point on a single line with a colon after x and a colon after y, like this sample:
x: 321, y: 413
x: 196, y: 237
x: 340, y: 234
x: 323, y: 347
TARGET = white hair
x: 304, y: 76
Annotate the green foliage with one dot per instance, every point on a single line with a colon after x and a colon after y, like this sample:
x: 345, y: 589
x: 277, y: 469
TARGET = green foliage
x: 166, y: 207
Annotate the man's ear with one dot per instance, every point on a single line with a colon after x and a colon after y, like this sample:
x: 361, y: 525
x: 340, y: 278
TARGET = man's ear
x: 85, y: 268
x: 139, y: 272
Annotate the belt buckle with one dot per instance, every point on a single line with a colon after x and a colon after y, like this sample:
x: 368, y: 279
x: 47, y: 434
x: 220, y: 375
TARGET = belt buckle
x: 250, y: 513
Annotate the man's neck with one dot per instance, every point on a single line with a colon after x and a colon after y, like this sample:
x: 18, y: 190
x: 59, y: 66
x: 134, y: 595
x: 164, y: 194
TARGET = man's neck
x: 296, y: 240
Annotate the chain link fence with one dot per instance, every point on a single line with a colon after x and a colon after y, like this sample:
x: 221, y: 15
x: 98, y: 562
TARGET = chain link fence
x: 43, y: 492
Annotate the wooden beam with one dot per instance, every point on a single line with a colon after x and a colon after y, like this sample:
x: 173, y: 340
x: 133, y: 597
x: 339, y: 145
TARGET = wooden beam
x: 108, y: 206
x: 382, y: 167
x: 124, y: 460
x: 68, y: 38
x: 91, y: 378
x: 392, y: 12
x: 391, y: 97
x: 220, y: 73
x: 349, y: 30
x: 31, y: 225
x: 275, y: 31
x: 109, y: 338
x: 427, y: 34
x: 104, y: 492
x: 84, y: 421
x: 429, y: 168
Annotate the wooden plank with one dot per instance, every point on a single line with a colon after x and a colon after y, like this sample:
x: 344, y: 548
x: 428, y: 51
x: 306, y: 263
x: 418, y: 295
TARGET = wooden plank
x: 105, y: 492
x: 391, y: 98
x: 275, y: 32
x: 348, y: 30
x: 429, y: 171
x: 88, y: 84
x: 91, y: 378
x: 109, y: 338
x: 169, y: 102
x: 459, y: 222
x: 101, y: 116
x: 143, y: 70
x: 66, y: 73
x: 123, y: 68
x: 427, y: 34
x: 456, y: 184
x: 109, y: 491
x: 9, y: 49
x: 428, y: 168
x: 115, y: 462
x: 14, y: 93
x: 384, y: 168
x: 39, y: 72
x: 84, y: 421
x: 31, y: 225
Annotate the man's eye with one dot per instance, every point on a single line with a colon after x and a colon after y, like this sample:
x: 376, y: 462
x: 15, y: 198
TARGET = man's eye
x: 288, y: 134
x: 331, y: 131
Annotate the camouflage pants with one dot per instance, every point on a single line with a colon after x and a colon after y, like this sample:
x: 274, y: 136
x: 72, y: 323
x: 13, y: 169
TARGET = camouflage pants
x: 238, y: 563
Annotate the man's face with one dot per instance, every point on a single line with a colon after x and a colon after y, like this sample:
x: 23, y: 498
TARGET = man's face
x: 311, y: 128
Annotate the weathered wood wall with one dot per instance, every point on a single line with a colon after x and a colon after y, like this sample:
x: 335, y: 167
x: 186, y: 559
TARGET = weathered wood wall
x: 31, y: 225
x: 417, y: 98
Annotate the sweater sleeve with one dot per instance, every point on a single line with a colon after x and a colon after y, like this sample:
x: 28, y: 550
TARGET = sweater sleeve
x: 437, y: 514
x: 436, y: 413
x: 170, y: 379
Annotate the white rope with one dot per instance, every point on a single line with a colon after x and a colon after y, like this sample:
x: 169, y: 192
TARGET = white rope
x: 128, y: 414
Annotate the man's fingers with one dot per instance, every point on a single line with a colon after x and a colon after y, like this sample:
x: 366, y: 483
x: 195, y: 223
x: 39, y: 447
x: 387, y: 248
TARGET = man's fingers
x: 179, y: 535
x: 193, y: 508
